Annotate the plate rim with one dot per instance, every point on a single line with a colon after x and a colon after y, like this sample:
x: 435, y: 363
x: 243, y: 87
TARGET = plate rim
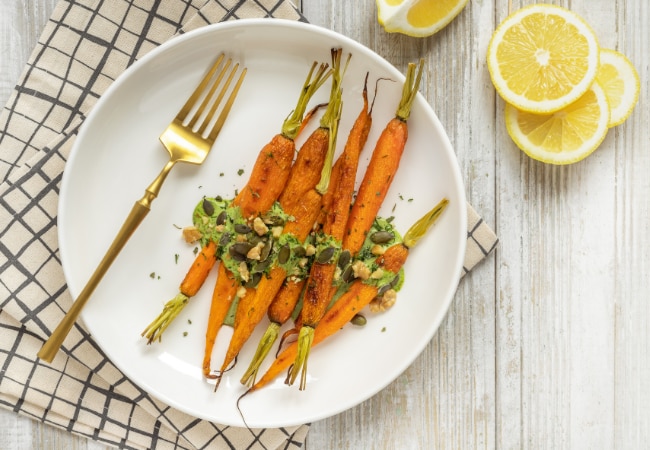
x: 275, y: 23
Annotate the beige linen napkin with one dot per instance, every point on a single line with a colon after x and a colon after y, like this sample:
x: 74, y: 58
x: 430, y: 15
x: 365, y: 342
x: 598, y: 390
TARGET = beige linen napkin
x: 84, y: 47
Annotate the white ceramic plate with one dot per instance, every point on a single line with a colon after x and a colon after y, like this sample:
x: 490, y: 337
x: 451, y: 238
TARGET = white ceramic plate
x: 117, y: 154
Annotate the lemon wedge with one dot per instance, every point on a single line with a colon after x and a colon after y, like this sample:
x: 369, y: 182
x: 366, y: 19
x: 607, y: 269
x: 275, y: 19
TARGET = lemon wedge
x: 565, y: 136
x: 620, y: 80
x: 542, y: 57
x: 417, y: 18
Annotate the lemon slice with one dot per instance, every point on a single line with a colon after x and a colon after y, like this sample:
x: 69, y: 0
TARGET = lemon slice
x: 620, y: 80
x: 565, y: 136
x: 542, y: 58
x: 418, y: 18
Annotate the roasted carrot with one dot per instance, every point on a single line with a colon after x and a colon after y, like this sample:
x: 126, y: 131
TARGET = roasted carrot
x: 267, y: 181
x: 302, y: 202
x: 190, y: 285
x: 357, y: 297
x: 357, y: 221
x: 336, y: 204
x: 382, y: 166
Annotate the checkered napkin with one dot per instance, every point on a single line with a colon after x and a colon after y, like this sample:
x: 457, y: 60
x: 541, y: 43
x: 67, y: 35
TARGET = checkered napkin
x: 84, y: 47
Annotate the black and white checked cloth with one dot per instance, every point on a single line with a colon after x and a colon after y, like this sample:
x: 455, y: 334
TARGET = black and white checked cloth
x: 85, y: 46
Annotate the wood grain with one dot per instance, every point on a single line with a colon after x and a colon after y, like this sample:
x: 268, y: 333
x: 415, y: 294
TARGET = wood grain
x: 546, y: 343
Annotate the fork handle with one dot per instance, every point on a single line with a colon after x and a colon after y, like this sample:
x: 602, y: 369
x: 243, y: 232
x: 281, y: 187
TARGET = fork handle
x: 138, y: 212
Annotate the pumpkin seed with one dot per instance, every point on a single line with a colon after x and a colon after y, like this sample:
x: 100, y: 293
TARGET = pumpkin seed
x: 234, y: 254
x: 255, y: 239
x: 261, y: 266
x: 241, y: 228
x: 382, y: 290
x: 221, y: 218
x: 326, y: 255
x: 272, y: 220
x: 208, y: 207
x: 266, y: 250
x: 381, y: 237
x: 283, y: 254
x: 225, y: 238
x: 358, y: 320
x: 299, y: 251
x: 254, y: 280
x: 242, y: 248
x: 344, y: 259
x: 348, y: 274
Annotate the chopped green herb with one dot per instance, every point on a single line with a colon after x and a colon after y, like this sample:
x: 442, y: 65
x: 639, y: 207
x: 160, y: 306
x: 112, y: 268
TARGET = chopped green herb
x: 240, y: 172
x: 189, y: 321
x: 221, y: 174
x: 196, y: 250
x: 152, y: 275
x: 175, y: 258
x: 184, y: 333
x: 383, y: 329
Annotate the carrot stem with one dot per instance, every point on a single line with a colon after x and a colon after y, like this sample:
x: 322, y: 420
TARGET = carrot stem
x: 411, y: 86
x: 171, y: 309
x: 190, y: 285
x: 294, y: 122
x: 265, y: 344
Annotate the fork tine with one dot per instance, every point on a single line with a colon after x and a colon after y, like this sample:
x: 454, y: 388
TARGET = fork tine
x: 206, y: 100
x: 191, y: 101
x: 217, y: 100
x: 216, y: 128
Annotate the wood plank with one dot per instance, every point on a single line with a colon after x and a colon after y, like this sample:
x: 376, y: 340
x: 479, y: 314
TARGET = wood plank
x: 631, y: 365
x: 446, y: 398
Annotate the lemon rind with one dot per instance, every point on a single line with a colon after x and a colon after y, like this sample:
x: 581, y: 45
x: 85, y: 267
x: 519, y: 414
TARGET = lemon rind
x: 631, y: 95
x: 393, y: 19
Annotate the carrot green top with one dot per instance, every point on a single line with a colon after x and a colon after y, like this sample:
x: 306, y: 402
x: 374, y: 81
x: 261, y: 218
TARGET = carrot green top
x: 410, y: 90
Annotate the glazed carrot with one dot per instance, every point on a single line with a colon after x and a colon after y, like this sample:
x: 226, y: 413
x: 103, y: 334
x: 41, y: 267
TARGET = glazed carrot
x: 267, y: 181
x: 357, y: 297
x: 382, y: 166
x: 357, y: 222
x: 302, y: 202
x: 190, y: 285
x: 336, y: 204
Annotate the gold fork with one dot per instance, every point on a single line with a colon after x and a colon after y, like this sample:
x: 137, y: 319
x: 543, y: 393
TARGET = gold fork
x: 186, y: 142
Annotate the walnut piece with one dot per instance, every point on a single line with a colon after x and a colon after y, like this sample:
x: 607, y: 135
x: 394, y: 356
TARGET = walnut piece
x: 255, y: 253
x: 381, y: 304
x: 243, y: 271
x: 260, y: 227
x: 191, y: 234
x: 360, y: 270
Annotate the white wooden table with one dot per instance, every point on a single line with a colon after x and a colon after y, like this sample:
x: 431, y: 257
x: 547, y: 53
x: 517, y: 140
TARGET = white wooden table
x: 546, y: 343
